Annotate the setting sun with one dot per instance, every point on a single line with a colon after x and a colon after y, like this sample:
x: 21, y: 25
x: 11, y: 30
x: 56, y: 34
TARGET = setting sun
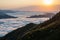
x: 47, y: 2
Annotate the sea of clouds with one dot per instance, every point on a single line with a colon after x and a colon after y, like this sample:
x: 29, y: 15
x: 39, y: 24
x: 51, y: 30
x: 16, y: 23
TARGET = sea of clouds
x: 8, y: 25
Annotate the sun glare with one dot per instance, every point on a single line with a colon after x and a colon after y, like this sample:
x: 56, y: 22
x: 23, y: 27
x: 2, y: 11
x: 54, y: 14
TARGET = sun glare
x: 47, y: 2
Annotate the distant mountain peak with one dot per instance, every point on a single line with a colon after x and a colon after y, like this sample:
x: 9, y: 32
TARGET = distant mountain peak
x: 30, y: 8
x: 3, y: 15
x: 40, y: 8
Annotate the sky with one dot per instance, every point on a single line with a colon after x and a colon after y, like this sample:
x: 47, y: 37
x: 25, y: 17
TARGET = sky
x: 11, y: 4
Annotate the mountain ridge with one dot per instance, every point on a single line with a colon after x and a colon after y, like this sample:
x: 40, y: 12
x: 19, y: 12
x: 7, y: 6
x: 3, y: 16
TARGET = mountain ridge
x: 3, y: 15
x: 46, y: 15
x: 39, y: 8
x: 46, y: 28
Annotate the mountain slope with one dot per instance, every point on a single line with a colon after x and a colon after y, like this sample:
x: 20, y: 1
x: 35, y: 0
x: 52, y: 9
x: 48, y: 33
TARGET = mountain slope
x: 49, y: 30
x: 18, y: 32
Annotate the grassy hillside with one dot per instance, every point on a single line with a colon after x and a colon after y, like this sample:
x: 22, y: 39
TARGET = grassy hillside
x: 49, y: 30
x: 18, y: 32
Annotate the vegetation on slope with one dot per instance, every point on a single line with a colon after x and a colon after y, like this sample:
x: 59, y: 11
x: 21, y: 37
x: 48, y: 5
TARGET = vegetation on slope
x: 49, y: 30
x: 18, y: 32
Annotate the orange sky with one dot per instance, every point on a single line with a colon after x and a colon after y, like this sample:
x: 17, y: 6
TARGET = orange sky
x: 10, y: 4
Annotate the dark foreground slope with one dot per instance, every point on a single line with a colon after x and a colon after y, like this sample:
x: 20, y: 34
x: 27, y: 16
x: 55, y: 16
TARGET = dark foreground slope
x: 49, y: 30
x: 4, y: 16
x: 18, y: 32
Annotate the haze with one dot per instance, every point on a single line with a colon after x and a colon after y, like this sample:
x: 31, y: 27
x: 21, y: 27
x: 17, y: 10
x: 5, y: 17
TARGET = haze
x: 13, y: 4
